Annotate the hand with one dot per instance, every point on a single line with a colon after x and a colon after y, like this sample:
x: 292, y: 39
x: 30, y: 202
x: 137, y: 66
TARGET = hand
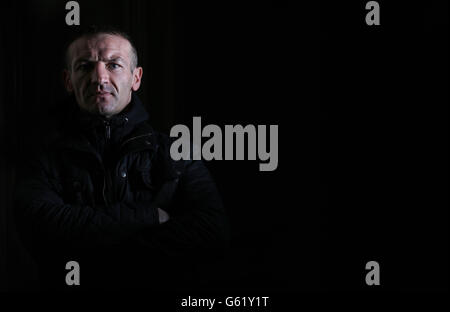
x: 163, y: 216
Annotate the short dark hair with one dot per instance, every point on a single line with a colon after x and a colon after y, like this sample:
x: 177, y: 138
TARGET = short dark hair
x: 94, y: 30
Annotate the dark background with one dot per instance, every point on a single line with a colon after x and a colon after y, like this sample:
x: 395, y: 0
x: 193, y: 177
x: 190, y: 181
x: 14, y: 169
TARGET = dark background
x: 363, y: 124
x: 384, y: 145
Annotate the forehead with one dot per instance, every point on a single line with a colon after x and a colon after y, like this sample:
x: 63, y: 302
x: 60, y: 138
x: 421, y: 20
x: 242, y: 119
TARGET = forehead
x: 100, y: 46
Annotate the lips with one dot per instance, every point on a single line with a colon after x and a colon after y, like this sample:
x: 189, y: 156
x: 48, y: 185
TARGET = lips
x: 99, y: 94
x: 100, y: 91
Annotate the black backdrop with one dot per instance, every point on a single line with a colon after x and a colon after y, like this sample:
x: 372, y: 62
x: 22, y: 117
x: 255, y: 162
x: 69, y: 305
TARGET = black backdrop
x: 363, y: 124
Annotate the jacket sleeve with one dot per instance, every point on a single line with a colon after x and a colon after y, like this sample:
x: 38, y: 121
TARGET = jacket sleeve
x: 42, y: 215
x: 197, y: 224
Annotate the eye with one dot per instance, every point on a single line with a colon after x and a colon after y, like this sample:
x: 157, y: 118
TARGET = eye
x: 113, y: 66
x: 84, y: 66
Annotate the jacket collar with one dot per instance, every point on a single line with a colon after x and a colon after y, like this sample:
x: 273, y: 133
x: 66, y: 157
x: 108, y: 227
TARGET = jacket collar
x: 140, y: 136
x: 131, y: 116
x: 136, y: 133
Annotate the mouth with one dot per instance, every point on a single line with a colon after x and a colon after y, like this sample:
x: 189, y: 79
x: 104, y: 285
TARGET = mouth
x: 99, y: 94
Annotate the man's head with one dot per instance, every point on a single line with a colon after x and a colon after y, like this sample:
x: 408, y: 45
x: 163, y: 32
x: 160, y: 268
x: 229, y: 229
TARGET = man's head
x: 101, y: 70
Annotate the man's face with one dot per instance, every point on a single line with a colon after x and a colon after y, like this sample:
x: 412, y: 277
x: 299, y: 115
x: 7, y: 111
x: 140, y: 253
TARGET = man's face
x: 100, y: 74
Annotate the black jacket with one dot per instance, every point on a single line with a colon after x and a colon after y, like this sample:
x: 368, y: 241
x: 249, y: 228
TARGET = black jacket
x: 91, y: 195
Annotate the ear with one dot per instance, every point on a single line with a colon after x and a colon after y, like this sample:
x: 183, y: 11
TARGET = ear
x: 137, y: 76
x: 67, y: 81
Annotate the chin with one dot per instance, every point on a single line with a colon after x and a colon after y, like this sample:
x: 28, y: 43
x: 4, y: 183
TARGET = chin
x: 106, y: 110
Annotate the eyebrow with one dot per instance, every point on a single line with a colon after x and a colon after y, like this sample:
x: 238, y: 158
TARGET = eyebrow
x: 112, y: 59
x: 115, y: 59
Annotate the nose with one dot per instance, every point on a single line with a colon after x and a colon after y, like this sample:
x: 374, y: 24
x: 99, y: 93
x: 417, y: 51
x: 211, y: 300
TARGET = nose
x: 99, y: 74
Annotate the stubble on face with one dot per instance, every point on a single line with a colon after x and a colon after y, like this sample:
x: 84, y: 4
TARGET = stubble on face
x: 101, y: 74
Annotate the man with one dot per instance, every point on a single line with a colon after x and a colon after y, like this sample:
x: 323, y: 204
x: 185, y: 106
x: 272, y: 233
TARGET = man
x: 104, y: 191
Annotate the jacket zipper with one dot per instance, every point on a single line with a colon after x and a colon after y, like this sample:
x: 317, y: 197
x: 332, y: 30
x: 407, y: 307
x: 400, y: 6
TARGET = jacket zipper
x: 106, y: 176
x: 107, y: 185
x: 104, y: 187
x: 107, y: 130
